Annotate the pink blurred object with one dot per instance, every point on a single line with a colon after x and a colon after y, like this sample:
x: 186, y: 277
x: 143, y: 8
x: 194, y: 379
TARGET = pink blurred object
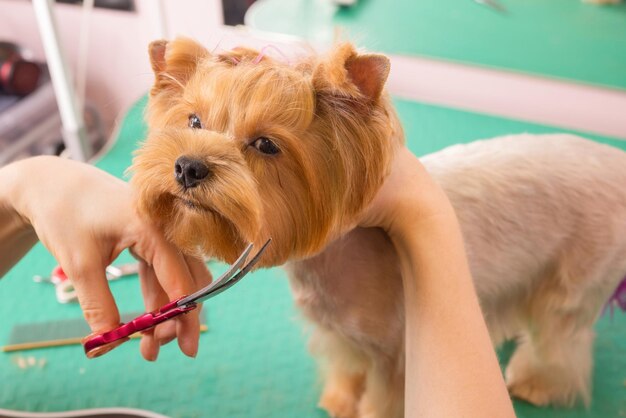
x: 65, y: 291
x: 617, y: 299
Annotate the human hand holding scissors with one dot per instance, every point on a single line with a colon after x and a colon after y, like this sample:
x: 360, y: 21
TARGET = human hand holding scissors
x: 99, y: 344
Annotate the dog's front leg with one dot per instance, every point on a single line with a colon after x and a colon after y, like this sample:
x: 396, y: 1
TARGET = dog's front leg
x: 344, y: 373
x: 384, y: 393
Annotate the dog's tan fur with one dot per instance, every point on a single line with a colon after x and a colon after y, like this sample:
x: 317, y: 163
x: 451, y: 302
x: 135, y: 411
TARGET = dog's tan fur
x: 544, y: 217
x: 301, y: 198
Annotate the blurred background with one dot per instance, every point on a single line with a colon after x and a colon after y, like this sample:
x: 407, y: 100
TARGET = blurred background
x: 559, y: 62
x: 105, y: 53
x: 532, y: 45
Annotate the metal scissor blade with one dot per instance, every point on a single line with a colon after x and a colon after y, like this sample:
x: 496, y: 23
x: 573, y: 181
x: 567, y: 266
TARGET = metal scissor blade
x: 224, y: 277
x: 228, y: 284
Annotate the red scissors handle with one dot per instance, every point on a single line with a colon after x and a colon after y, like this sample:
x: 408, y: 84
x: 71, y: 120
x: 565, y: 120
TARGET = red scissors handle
x: 99, y: 344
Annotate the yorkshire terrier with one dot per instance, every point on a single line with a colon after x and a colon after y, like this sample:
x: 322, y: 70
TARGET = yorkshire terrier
x: 242, y: 147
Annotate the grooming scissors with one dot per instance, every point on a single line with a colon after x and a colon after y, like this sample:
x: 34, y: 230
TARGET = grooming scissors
x: 99, y: 344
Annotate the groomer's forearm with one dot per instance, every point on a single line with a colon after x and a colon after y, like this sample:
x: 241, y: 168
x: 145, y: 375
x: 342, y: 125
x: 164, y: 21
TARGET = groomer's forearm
x: 16, y: 234
x: 451, y: 367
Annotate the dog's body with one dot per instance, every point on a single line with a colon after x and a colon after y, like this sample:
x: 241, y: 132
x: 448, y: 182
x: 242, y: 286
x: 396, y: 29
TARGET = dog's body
x: 544, y: 223
x: 242, y: 148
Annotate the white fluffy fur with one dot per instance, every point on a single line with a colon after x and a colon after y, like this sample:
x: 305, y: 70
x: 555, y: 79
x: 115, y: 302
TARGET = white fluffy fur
x: 544, y: 221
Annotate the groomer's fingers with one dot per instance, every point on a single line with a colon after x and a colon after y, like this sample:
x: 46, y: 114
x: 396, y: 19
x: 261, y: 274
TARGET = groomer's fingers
x: 199, y: 271
x: 185, y: 330
x: 188, y: 337
x: 166, y: 332
x: 94, y: 295
x: 148, y: 346
x: 154, y: 297
x: 176, y: 280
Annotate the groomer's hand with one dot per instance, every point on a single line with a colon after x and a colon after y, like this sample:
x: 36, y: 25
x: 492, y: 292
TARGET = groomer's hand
x: 440, y: 302
x: 408, y: 198
x: 85, y: 218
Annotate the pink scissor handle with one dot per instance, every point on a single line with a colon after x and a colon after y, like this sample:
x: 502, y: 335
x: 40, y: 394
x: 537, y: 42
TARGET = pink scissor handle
x: 99, y: 344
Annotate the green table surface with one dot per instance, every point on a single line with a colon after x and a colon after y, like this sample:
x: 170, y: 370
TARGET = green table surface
x: 253, y: 360
x: 565, y: 39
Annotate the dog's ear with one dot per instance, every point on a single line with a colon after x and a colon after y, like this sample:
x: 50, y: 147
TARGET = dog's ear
x: 174, y: 62
x: 346, y: 72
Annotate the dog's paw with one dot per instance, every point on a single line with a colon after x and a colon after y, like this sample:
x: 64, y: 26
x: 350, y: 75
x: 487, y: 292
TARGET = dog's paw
x: 367, y: 409
x: 563, y: 382
x: 339, y: 404
x: 542, y: 389
x: 532, y: 390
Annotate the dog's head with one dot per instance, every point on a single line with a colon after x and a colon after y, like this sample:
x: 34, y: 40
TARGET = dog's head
x: 242, y: 147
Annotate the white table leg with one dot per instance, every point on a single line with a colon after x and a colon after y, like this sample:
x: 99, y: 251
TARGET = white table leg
x: 74, y: 132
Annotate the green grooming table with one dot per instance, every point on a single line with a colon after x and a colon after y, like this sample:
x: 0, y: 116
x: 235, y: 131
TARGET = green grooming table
x: 564, y: 39
x: 253, y: 361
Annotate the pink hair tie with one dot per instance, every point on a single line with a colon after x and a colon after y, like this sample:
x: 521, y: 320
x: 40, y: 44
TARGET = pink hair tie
x: 263, y: 52
x: 618, y: 298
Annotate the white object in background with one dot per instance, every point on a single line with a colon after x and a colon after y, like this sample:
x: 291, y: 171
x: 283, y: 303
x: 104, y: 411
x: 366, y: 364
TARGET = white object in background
x: 526, y: 97
x: 345, y: 2
x: 159, y: 20
x: 83, y: 54
x: 84, y: 413
x: 74, y: 132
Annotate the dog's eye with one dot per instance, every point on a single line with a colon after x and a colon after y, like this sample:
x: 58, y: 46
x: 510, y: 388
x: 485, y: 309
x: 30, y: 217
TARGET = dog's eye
x: 195, y: 122
x: 265, y: 146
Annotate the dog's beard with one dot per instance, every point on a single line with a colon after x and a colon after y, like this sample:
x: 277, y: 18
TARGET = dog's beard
x: 201, y: 229
x: 198, y: 229
x: 216, y: 219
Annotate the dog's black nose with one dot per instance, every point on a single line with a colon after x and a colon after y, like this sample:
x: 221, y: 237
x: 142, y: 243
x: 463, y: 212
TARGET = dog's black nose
x: 190, y: 172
